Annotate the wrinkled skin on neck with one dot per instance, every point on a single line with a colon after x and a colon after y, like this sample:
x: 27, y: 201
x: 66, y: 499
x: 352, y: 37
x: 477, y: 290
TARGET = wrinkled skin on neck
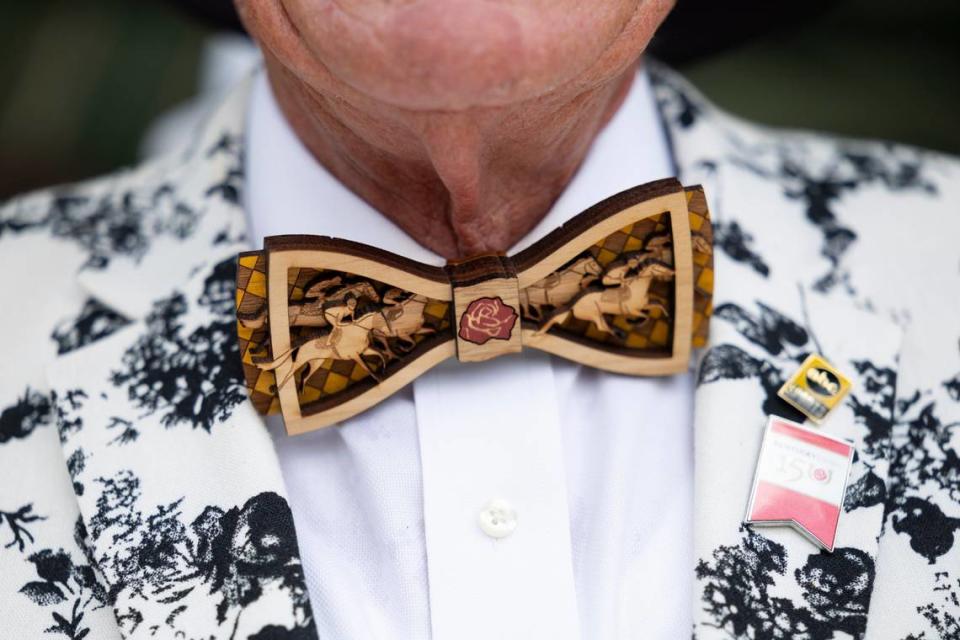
x: 460, y: 120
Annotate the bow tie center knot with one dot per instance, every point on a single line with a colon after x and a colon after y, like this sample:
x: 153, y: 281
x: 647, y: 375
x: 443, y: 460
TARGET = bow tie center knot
x: 486, y: 307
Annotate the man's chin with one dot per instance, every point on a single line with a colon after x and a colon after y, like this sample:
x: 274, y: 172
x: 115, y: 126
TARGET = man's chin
x: 442, y: 55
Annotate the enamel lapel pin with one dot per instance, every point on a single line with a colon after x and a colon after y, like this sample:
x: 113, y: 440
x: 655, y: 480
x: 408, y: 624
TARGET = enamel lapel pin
x: 801, y: 474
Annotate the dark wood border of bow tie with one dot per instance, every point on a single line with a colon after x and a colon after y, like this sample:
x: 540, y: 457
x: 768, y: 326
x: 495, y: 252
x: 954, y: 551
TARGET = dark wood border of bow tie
x: 482, y: 306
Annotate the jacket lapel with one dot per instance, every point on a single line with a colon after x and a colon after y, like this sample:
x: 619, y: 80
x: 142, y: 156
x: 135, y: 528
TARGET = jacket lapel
x: 772, y: 582
x: 183, y: 508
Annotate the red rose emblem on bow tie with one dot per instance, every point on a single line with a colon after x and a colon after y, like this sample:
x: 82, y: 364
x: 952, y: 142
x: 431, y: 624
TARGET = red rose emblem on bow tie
x: 487, y: 319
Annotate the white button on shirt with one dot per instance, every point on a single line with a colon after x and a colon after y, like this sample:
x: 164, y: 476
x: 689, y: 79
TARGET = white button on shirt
x: 523, y: 497
x: 498, y: 519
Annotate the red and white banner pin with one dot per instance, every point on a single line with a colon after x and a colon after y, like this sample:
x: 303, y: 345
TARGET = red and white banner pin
x: 800, y: 481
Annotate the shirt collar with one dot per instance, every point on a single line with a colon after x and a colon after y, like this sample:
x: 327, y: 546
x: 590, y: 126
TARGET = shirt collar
x: 288, y: 191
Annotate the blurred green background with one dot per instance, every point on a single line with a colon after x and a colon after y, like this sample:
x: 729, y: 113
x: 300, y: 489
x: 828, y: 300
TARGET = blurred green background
x: 82, y: 81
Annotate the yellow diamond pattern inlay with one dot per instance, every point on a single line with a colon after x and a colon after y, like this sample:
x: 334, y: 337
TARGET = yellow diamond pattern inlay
x: 264, y: 384
x: 335, y: 382
x: 633, y: 243
x: 696, y: 221
x: 606, y: 256
x: 705, y: 281
x: 660, y: 332
x: 358, y: 373
x: 637, y: 341
x: 258, y: 284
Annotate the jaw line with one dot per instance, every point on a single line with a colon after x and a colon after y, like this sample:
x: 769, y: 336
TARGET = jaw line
x: 577, y: 81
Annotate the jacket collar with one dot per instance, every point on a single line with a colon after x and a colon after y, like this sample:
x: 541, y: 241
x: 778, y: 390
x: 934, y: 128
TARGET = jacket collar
x: 182, y: 214
x: 754, y: 582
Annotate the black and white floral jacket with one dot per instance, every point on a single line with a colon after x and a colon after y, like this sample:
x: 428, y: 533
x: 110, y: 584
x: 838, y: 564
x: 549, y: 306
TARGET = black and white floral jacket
x: 140, y: 495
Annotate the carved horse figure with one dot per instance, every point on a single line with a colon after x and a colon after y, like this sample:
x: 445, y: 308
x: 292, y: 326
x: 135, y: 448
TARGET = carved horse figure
x: 560, y: 287
x: 631, y: 299
x: 401, y: 319
x: 311, y: 312
x: 657, y: 247
x: 347, y: 340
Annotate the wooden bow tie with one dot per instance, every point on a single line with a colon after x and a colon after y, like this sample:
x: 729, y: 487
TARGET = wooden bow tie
x: 329, y: 327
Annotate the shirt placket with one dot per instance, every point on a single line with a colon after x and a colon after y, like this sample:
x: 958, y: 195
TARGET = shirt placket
x: 496, y: 515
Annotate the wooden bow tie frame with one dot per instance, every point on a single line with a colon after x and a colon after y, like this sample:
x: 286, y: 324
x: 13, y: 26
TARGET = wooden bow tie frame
x: 625, y: 286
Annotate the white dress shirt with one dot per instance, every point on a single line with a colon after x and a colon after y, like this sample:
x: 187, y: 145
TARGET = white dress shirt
x: 524, y: 497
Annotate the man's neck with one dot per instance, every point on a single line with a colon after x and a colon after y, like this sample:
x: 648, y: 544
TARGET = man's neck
x: 459, y: 182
